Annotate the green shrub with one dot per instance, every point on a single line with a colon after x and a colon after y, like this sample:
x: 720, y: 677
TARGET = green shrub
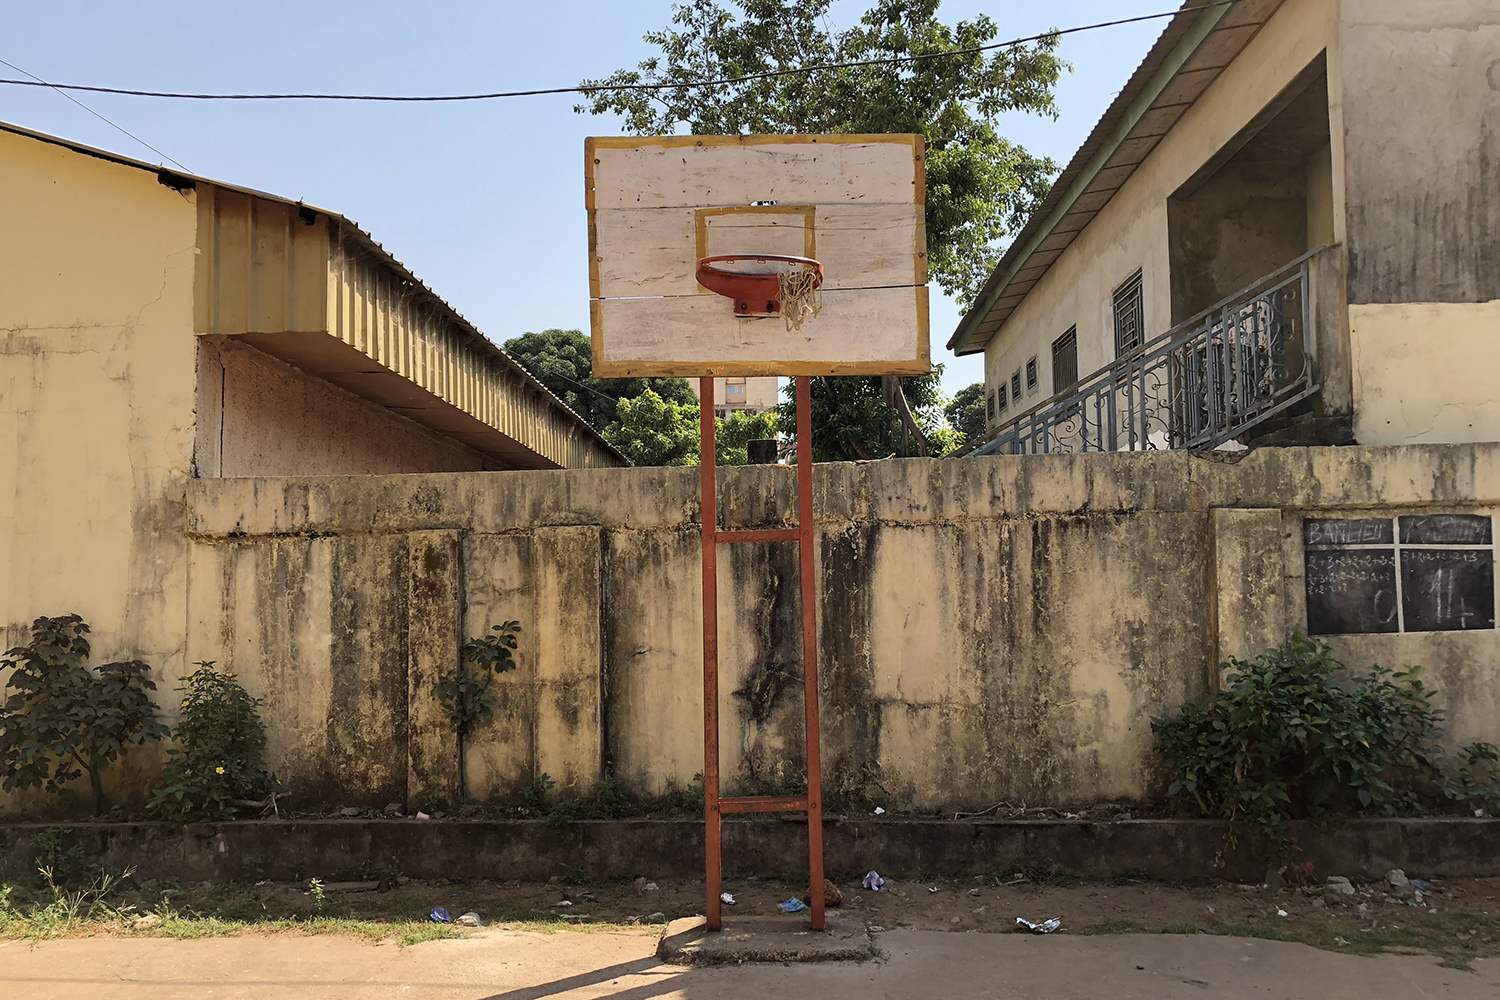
x: 219, y: 762
x: 63, y: 719
x: 466, y: 697
x: 1291, y: 737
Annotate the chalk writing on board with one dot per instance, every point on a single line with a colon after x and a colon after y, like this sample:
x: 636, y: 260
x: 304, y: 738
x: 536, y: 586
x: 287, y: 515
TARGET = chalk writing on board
x: 1447, y: 590
x: 1360, y: 531
x: 1351, y: 591
x: 1446, y: 529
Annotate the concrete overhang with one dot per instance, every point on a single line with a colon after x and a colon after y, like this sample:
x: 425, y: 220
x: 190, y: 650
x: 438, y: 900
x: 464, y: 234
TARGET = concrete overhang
x: 1197, y: 45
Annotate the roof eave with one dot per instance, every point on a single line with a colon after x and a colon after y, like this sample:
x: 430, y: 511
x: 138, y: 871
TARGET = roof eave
x: 1125, y: 114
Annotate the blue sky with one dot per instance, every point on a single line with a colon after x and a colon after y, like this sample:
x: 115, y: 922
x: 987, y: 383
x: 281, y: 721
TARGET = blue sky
x: 484, y: 200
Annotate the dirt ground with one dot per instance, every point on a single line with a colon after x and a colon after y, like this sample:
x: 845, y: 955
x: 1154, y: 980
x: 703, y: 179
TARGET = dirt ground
x: 1457, y: 919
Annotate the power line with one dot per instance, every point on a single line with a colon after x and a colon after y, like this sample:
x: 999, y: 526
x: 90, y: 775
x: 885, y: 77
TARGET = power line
x: 714, y: 82
x: 39, y: 82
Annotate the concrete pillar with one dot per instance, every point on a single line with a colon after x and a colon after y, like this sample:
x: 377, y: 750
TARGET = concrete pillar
x: 569, y: 729
x: 1250, y: 571
x: 434, y: 635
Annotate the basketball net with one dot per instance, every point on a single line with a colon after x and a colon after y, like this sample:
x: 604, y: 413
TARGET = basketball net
x: 801, y: 296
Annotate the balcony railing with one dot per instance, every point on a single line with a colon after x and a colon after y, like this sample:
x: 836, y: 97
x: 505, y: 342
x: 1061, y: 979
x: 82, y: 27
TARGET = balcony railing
x: 1203, y: 383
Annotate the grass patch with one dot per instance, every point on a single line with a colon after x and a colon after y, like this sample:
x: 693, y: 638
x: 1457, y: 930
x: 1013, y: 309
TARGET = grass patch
x: 1110, y: 927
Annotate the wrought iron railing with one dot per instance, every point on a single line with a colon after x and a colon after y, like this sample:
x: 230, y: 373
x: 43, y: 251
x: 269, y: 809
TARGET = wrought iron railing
x: 1201, y: 384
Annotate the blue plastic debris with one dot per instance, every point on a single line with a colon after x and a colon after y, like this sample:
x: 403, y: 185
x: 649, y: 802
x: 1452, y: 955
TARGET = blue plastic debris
x: 1420, y: 885
x: 791, y: 906
x: 873, y: 881
x: 440, y: 916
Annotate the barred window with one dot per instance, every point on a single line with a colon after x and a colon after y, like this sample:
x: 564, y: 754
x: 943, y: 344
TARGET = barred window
x: 1001, y: 391
x: 989, y: 407
x: 1031, y: 375
x: 1130, y: 316
x: 1015, y: 385
x: 1065, y: 361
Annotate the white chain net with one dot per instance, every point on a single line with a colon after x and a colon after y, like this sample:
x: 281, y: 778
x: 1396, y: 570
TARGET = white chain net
x: 801, y: 296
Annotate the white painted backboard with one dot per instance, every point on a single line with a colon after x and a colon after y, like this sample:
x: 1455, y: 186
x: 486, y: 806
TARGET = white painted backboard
x: 854, y: 202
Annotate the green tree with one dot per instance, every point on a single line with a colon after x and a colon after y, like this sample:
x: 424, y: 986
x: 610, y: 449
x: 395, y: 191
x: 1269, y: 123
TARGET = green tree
x: 562, y: 360
x: 965, y: 412
x: 856, y: 418
x: 980, y: 186
x: 63, y: 719
x: 650, y: 430
x: 733, y: 434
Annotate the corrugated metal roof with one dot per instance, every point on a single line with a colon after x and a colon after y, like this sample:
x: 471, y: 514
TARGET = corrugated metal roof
x: 1193, y: 50
x: 471, y: 336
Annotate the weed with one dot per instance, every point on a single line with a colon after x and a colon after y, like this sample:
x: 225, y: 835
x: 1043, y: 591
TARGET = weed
x: 315, y: 889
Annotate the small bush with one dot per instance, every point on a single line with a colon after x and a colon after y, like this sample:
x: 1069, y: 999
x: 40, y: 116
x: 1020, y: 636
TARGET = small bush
x: 220, y: 759
x: 1292, y: 737
x: 466, y: 697
x: 62, y: 719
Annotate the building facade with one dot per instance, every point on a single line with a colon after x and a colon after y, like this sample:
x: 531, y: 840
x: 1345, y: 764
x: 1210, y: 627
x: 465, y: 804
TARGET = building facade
x: 746, y: 394
x: 1287, y: 226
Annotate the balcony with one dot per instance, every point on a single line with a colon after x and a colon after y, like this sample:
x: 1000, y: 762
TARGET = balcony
x: 1220, y: 376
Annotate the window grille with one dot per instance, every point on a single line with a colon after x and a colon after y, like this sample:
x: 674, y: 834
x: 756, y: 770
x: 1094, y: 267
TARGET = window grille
x: 1031, y: 375
x: 1002, y: 397
x: 1015, y: 385
x: 1065, y: 361
x: 1130, y: 316
x: 989, y: 407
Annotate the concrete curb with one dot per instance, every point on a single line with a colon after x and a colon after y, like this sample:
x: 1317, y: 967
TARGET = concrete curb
x: 763, y: 939
x: 1172, y: 850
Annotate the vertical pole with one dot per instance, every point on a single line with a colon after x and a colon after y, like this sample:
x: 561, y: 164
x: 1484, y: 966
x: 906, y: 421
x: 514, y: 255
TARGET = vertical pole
x: 710, y: 518
x: 810, y: 646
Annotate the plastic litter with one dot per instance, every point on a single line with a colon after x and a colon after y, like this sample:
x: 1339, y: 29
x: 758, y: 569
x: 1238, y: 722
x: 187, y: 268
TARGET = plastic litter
x: 1479, y: 814
x: 1421, y: 885
x: 470, y: 919
x: 422, y: 815
x: 727, y: 898
x: 879, y: 811
x: 440, y: 916
x: 792, y: 905
x: 1281, y: 913
x: 1045, y: 927
x: 873, y: 881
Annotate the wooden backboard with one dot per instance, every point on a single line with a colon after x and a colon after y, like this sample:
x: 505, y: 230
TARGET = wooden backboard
x: 854, y: 202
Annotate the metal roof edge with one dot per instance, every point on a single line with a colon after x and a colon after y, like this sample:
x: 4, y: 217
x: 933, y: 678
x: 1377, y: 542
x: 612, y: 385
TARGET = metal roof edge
x: 1127, y: 113
x: 344, y: 222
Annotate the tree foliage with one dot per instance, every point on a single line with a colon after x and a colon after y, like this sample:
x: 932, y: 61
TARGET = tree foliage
x: 965, y: 412
x: 733, y: 434
x: 852, y: 420
x: 562, y: 360
x: 62, y: 719
x: 980, y: 186
x: 1292, y: 737
x: 219, y: 761
x: 651, y: 430
x: 465, y: 695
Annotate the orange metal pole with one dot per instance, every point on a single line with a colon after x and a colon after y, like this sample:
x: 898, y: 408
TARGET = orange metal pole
x: 810, y: 647
x: 710, y: 518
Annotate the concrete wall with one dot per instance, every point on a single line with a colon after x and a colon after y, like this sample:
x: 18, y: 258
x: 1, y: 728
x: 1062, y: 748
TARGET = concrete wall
x: 1422, y: 121
x: 1132, y: 232
x: 999, y: 628
x: 96, y: 399
x: 259, y: 416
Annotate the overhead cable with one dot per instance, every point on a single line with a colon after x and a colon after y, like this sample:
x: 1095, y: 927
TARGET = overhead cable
x: 589, y: 90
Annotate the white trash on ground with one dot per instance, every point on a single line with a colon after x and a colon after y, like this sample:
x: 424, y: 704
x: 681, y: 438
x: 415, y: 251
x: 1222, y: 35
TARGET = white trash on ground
x: 1045, y: 927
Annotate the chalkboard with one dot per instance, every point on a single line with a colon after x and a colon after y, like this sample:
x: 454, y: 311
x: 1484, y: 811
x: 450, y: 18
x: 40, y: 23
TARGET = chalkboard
x: 1447, y: 590
x: 1360, y: 531
x: 1351, y: 591
x: 1446, y: 529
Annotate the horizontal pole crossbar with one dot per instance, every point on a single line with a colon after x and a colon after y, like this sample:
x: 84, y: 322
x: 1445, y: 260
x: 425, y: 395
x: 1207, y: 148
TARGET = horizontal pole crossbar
x: 759, y: 535
x: 764, y: 804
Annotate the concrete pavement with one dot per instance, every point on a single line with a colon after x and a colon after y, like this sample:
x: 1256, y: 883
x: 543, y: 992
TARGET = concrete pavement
x: 932, y: 965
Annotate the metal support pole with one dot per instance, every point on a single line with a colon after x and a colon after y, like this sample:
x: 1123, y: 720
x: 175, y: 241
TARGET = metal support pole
x: 709, y: 470
x: 810, y: 646
x: 713, y: 805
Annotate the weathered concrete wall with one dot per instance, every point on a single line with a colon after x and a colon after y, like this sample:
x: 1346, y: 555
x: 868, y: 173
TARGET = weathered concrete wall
x: 259, y: 416
x: 998, y: 628
x: 1422, y: 125
x: 96, y: 400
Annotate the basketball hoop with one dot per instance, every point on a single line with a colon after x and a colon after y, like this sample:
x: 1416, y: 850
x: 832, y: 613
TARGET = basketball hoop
x: 766, y: 285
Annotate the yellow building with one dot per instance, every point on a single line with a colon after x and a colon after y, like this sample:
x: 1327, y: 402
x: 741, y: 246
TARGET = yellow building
x: 1284, y: 229
x: 747, y: 394
x: 156, y: 327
